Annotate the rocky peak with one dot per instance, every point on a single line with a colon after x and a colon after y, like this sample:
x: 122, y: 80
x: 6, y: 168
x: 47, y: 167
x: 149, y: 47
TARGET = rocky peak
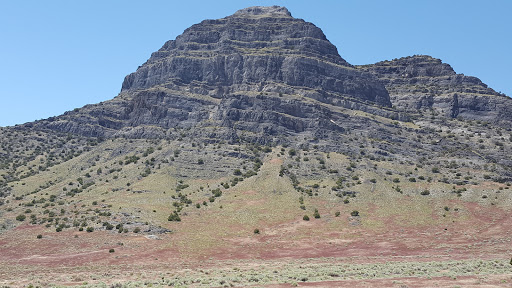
x: 273, y: 11
x: 249, y: 52
x: 421, y: 82
x: 258, y: 71
x: 415, y: 66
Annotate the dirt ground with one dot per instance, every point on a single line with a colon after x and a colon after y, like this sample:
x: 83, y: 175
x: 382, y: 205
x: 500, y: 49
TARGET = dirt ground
x: 284, y: 252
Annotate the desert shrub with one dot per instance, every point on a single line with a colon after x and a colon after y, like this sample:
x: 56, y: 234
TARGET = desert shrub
x: 237, y: 172
x: 21, y: 217
x: 316, y: 214
x: 412, y: 179
x: 111, y: 250
x: 89, y: 229
x: 256, y: 231
x: 425, y: 192
x: 337, y: 214
x: 136, y: 230
x: 200, y: 161
x: 354, y: 213
x: 435, y: 170
x: 39, y: 236
x: 131, y: 159
x: 305, y: 218
x: 174, y: 217
x: 396, y: 180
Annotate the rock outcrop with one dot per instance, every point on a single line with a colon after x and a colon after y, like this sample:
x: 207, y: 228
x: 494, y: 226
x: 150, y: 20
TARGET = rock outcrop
x: 264, y: 75
x: 421, y: 82
x: 260, y: 70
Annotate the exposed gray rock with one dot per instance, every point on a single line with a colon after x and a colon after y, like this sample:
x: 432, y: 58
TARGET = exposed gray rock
x: 253, y: 70
x: 422, y: 82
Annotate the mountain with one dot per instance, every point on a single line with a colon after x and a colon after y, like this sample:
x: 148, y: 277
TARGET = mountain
x: 247, y: 151
x: 247, y: 70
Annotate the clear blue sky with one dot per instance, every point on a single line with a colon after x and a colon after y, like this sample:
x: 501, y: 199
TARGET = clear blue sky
x: 59, y: 55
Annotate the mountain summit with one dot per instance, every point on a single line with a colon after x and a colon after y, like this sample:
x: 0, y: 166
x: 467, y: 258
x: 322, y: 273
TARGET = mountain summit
x: 256, y: 49
x: 264, y: 75
x: 260, y: 70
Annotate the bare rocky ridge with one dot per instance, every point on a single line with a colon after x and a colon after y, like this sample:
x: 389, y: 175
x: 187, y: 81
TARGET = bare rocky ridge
x: 262, y: 76
x: 421, y: 82
x: 259, y: 68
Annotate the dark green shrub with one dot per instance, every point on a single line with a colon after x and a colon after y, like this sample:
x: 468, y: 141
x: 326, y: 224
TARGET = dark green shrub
x: 305, y: 218
x: 89, y: 229
x: 337, y: 214
x: 256, y: 231
x: 316, y: 214
x: 354, y: 213
x: 39, y: 236
x: 425, y: 192
x: 111, y: 250
x: 174, y: 217
x: 21, y: 217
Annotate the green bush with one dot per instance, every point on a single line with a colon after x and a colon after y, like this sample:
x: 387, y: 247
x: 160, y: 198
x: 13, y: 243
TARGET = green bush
x: 305, y: 218
x: 111, y: 250
x: 354, y: 213
x: 316, y: 214
x: 337, y: 214
x: 89, y: 229
x: 256, y: 231
x: 39, y: 236
x: 21, y: 217
x: 174, y: 217
x: 425, y: 192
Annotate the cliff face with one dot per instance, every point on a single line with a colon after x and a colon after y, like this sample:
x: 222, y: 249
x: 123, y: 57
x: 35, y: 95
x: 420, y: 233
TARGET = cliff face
x: 421, y: 82
x: 260, y: 69
x: 264, y: 75
x: 259, y: 48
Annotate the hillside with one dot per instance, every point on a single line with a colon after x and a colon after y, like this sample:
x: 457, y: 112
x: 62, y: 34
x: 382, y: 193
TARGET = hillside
x: 247, y: 152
